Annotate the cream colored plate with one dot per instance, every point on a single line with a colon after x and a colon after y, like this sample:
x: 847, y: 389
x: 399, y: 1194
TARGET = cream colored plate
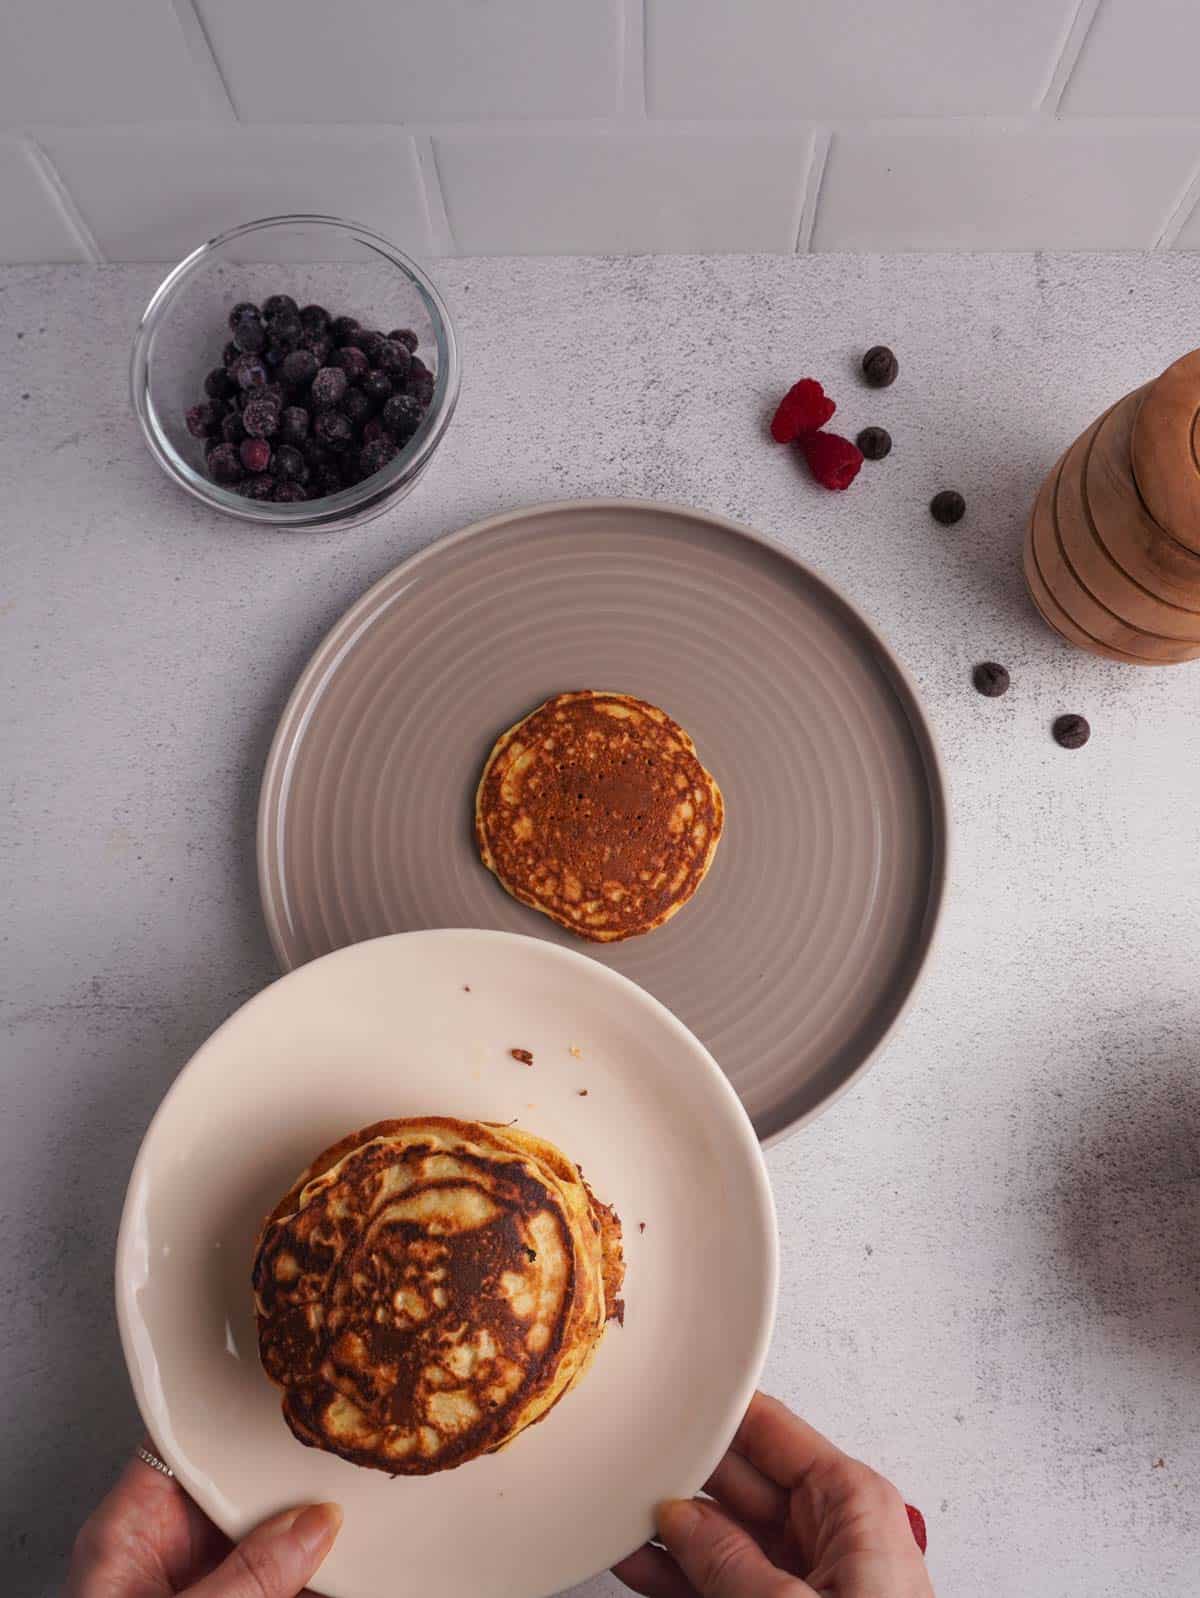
x: 388, y: 1028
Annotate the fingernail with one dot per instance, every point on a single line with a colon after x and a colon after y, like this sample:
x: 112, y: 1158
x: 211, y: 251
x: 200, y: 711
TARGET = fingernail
x: 677, y: 1518
x: 315, y: 1528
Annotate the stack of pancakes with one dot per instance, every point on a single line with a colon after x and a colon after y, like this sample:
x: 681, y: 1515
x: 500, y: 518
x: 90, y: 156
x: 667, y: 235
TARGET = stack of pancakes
x: 429, y: 1288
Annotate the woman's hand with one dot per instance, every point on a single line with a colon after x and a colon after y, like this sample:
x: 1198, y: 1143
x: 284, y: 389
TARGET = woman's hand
x: 148, y: 1540
x: 790, y: 1516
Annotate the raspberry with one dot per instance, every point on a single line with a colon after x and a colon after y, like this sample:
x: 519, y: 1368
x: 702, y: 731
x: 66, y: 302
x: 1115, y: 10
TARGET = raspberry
x: 917, y: 1521
x: 803, y: 409
x: 832, y: 460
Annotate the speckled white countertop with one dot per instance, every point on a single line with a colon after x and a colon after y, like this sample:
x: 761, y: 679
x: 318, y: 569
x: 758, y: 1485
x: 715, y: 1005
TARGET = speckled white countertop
x: 991, y: 1247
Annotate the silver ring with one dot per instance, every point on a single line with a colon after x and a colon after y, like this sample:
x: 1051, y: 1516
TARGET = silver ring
x: 147, y: 1458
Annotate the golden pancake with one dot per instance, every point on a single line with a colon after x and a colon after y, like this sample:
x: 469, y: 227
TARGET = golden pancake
x: 596, y: 810
x: 429, y: 1288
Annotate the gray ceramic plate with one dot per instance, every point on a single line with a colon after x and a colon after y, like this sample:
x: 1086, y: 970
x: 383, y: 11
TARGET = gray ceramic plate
x: 804, y: 943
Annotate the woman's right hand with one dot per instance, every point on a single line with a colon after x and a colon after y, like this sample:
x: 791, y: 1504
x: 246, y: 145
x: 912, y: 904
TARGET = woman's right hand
x: 788, y: 1516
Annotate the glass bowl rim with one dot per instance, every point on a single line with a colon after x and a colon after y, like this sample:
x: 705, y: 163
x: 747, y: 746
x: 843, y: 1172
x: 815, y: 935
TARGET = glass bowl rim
x: 333, y: 510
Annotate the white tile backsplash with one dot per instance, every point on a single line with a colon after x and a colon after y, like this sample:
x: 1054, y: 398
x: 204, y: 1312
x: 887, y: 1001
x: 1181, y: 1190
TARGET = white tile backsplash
x: 379, y: 61
x: 156, y: 199
x: 544, y: 126
x: 1138, y: 59
x: 564, y: 196
x: 32, y: 224
x: 868, y: 58
x: 91, y: 61
x: 1055, y: 189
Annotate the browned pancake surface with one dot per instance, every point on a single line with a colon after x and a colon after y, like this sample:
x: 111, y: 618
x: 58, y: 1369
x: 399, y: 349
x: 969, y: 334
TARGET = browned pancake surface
x: 419, y: 1312
x: 597, y: 811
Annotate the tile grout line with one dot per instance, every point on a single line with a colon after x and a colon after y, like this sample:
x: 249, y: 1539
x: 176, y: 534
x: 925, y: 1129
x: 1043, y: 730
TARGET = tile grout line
x: 818, y: 160
x: 440, y: 227
x: 200, y: 47
x: 1180, y: 212
x: 60, y: 197
x: 633, y: 60
x: 1068, y: 56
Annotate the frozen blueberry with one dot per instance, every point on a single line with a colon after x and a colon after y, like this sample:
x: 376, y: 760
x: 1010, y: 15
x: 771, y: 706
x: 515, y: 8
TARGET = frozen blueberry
x: 229, y: 354
x: 290, y: 465
x: 373, y: 430
x: 260, y: 487
x: 255, y: 454
x: 394, y: 358
x: 328, y: 386
x: 342, y: 327
x: 218, y: 384
x: 293, y: 425
x: 240, y: 311
x: 333, y: 430
x: 405, y: 336
x: 402, y: 416
x: 370, y: 344
x: 233, y: 429
x: 249, y: 334
x: 420, y: 387
x: 375, y: 455
x: 248, y: 372
x: 225, y: 464
x: 203, y: 420
x: 289, y: 493
x: 260, y: 416
x: 314, y: 319
x: 352, y: 361
x: 320, y: 344
x: 326, y: 480
x: 285, y: 330
x: 299, y: 368
x: 316, y: 454
x: 377, y: 386
x: 280, y: 302
x: 357, y: 407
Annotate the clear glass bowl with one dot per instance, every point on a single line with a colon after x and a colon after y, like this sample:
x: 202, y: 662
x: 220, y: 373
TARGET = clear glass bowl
x: 348, y: 269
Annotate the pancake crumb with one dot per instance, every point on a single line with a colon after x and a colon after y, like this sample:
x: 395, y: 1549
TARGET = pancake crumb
x: 641, y: 1226
x: 583, y: 1092
x: 575, y: 1052
x: 523, y: 1055
x: 466, y: 987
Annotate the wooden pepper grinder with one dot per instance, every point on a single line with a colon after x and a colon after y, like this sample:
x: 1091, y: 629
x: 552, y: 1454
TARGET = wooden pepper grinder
x: 1112, y: 554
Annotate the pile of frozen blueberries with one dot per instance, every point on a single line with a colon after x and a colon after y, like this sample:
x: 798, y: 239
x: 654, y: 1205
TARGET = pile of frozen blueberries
x: 305, y: 404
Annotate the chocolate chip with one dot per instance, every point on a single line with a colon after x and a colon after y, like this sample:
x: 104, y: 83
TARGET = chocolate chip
x: 875, y: 442
x: 948, y: 507
x: 880, y: 367
x: 523, y: 1055
x: 991, y: 679
x: 1072, y: 732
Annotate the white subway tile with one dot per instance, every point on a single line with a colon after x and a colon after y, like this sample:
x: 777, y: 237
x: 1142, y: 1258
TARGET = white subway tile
x: 1020, y: 189
x: 33, y: 227
x: 1139, y: 58
x: 607, y: 194
x: 83, y: 61
x: 379, y: 61
x: 154, y: 195
x: 810, y: 58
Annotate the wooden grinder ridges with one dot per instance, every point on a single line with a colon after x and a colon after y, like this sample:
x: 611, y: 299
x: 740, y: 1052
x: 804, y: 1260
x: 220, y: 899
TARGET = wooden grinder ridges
x: 1112, y: 552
